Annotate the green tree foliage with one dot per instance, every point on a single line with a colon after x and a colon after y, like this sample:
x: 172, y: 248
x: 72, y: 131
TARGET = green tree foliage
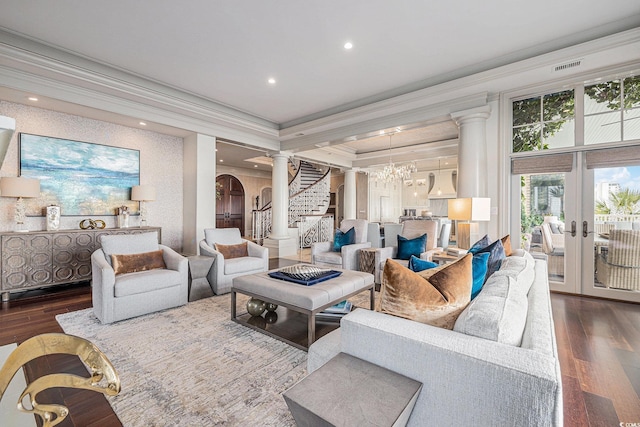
x: 623, y: 202
x: 610, y: 93
x: 537, y: 119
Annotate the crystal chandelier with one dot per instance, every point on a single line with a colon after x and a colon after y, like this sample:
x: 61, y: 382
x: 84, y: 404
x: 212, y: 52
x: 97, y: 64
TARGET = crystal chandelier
x: 391, y: 173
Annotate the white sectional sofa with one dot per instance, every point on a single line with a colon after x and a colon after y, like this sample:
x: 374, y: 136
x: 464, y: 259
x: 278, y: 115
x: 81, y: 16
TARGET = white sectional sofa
x: 468, y: 380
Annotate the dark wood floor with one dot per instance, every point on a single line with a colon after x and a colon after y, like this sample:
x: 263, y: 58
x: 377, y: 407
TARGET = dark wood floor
x: 598, y: 344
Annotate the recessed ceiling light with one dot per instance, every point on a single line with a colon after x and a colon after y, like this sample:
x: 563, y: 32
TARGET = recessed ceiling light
x: 143, y: 124
x: 33, y: 98
x: 348, y: 45
x: 255, y: 166
x: 221, y: 161
x: 271, y: 81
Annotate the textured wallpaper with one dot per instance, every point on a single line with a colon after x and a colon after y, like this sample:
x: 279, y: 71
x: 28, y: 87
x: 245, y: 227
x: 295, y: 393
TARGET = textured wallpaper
x: 155, y: 169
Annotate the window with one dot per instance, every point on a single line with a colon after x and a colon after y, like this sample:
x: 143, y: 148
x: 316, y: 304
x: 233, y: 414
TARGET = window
x: 544, y: 122
x: 612, y: 111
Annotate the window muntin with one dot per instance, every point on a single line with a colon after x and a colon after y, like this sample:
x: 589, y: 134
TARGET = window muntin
x: 544, y: 122
x: 612, y: 111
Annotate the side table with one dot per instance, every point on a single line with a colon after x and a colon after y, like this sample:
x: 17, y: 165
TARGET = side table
x: 348, y: 391
x: 199, y: 266
x: 367, y: 260
x: 443, y: 258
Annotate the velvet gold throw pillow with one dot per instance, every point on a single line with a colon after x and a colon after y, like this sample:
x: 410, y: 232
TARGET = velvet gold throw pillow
x: 436, y: 296
x: 133, y: 263
x: 233, y: 251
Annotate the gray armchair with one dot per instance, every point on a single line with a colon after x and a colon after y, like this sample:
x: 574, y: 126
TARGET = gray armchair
x: 410, y: 230
x: 322, y: 253
x: 126, y: 295
x: 224, y: 270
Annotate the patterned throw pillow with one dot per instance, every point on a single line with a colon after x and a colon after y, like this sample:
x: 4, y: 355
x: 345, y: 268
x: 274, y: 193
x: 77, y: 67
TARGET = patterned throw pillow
x: 341, y: 239
x: 408, y: 247
x: 435, y: 296
x: 416, y: 264
x: 233, y: 251
x: 133, y: 263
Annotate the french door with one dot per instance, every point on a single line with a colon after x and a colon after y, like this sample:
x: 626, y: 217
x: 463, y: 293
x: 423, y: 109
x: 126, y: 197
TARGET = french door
x: 610, y: 227
x: 581, y: 210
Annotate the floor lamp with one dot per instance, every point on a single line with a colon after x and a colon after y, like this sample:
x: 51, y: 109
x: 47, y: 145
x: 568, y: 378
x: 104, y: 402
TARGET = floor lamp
x: 142, y: 194
x: 469, y: 209
x: 21, y: 188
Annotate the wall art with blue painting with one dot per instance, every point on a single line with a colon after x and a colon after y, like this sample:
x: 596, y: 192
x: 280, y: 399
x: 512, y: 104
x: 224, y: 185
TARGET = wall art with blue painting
x: 80, y: 177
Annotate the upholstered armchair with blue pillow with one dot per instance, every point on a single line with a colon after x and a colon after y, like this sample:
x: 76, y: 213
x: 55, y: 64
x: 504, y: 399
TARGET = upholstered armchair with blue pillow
x: 133, y: 275
x: 234, y: 256
x: 342, y: 252
x: 417, y: 238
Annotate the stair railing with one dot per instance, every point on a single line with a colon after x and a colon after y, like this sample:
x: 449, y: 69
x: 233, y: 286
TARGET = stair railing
x: 313, y: 200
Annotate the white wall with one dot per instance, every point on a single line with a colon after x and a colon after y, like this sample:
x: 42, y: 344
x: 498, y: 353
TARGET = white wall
x: 155, y: 149
x: 385, y: 202
x: 199, y: 189
x: 499, y: 206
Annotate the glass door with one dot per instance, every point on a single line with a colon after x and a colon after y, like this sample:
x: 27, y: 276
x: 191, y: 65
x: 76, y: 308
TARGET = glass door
x: 546, y: 224
x: 544, y: 187
x: 611, y: 230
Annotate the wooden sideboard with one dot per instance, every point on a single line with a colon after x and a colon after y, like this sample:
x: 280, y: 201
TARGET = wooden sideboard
x: 38, y: 259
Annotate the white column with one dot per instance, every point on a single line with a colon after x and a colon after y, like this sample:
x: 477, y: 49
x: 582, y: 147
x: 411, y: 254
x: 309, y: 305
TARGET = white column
x: 472, y: 152
x: 199, y: 190
x: 350, y: 194
x: 280, y: 242
x: 280, y: 197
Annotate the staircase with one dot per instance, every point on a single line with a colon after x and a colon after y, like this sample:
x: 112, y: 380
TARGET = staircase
x: 308, y: 203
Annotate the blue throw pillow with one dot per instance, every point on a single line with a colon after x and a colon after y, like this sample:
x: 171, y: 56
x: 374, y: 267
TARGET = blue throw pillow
x: 496, y: 255
x: 408, y: 247
x: 416, y: 264
x: 479, y: 266
x: 341, y: 239
x: 480, y: 244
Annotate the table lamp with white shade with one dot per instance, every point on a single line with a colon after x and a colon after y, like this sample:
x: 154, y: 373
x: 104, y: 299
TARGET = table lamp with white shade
x: 21, y: 188
x: 469, y: 209
x: 142, y: 194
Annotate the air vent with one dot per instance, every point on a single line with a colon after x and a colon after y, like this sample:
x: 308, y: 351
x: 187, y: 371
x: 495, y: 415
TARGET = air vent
x: 567, y: 65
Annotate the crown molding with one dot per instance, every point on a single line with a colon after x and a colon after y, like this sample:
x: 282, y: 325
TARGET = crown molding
x: 489, y: 83
x: 431, y: 111
x: 32, y: 66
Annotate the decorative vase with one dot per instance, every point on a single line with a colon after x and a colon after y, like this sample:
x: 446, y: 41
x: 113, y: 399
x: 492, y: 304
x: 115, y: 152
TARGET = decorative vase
x: 271, y: 307
x: 123, y: 220
x: 271, y: 317
x: 256, y: 307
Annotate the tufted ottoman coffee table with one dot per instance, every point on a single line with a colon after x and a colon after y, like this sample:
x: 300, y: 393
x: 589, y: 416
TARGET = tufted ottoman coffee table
x: 301, y: 299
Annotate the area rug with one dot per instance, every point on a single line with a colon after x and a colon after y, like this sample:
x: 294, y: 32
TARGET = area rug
x: 193, y: 366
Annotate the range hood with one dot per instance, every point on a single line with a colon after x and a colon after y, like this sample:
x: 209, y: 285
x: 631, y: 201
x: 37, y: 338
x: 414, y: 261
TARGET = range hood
x: 442, y: 184
x: 7, y: 128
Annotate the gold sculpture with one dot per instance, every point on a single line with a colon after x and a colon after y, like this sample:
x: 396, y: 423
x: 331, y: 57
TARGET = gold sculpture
x: 93, y: 224
x: 45, y: 344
